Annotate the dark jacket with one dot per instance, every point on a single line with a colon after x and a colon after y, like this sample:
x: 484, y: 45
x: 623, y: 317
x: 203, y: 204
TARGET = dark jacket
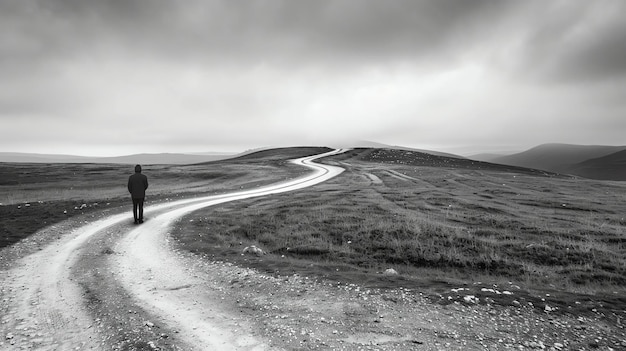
x: 137, y: 185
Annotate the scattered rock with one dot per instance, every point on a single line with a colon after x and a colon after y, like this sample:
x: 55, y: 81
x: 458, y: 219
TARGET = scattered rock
x: 253, y: 250
x: 550, y: 309
x: 149, y: 324
x: 535, y: 345
x: 471, y: 299
x: 390, y: 271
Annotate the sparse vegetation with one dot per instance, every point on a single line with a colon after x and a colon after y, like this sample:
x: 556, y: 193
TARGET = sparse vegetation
x: 436, y: 223
x: 439, y: 222
x: 33, y: 196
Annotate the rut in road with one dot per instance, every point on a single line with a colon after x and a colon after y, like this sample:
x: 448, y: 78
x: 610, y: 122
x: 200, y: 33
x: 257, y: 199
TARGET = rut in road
x: 50, y: 311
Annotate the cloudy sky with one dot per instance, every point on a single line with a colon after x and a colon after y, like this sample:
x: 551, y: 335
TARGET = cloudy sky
x: 128, y: 76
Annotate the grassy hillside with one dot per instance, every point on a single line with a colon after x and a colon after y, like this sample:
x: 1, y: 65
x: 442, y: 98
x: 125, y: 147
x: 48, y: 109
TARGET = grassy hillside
x: 440, y: 222
x: 277, y: 155
x: 562, y: 158
x: 610, y: 167
x: 34, y: 195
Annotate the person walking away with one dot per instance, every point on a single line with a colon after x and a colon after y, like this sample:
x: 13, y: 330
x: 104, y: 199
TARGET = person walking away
x: 137, y: 185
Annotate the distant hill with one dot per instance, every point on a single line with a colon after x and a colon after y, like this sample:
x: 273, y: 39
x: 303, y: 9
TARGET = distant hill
x: 375, y: 145
x: 568, y: 159
x: 422, y: 159
x: 610, y: 167
x: 279, y: 153
x: 485, y: 157
x: 163, y: 158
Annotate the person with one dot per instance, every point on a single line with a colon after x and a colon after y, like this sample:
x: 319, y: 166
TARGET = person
x: 137, y: 185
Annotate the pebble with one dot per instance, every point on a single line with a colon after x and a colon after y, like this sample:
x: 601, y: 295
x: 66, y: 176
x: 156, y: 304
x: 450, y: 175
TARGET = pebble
x: 390, y: 271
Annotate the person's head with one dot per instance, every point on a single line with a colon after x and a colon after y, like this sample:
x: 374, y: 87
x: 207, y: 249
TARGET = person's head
x: 138, y: 169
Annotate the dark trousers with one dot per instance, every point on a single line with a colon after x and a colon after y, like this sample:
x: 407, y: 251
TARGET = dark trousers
x: 138, y: 208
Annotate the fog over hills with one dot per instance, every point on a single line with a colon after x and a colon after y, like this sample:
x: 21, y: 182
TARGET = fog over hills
x: 485, y: 157
x: 589, y: 161
x: 162, y: 158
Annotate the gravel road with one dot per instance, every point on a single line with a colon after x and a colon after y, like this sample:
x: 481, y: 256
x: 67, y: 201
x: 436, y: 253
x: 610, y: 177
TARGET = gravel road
x: 44, y: 304
x: 101, y: 283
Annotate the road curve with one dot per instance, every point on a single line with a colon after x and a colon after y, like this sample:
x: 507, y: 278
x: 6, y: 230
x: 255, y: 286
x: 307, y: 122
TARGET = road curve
x: 45, y: 303
x: 160, y: 282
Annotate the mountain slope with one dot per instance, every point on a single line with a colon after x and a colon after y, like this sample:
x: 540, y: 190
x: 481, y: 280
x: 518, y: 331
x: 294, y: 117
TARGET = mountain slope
x: 568, y: 159
x: 610, y: 167
x: 557, y: 157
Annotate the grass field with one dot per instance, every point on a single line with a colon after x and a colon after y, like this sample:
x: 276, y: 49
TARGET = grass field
x: 440, y: 223
x: 443, y: 224
x: 33, y: 196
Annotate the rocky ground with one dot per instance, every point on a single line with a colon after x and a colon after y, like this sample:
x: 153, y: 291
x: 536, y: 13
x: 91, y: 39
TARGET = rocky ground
x: 287, y: 312
x: 295, y: 312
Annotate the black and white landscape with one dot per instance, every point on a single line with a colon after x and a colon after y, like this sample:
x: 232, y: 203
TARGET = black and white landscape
x: 321, y: 175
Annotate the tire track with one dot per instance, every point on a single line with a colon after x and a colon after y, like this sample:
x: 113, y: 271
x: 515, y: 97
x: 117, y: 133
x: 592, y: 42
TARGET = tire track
x: 43, y: 307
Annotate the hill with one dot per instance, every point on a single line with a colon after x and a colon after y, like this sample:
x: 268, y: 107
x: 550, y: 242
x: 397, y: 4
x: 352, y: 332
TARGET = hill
x: 565, y: 158
x: 375, y: 145
x: 162, y: 158
x: 610, y: 167
x: 485, y: 157
x: 190, y: 158
x: 423, y: 159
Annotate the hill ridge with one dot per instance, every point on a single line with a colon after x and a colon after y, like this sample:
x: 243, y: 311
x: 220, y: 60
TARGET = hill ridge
x: 569, y: 159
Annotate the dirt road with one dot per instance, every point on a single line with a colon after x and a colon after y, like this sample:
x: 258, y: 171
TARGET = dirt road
x: 103, y: 283
x: 44, y: 305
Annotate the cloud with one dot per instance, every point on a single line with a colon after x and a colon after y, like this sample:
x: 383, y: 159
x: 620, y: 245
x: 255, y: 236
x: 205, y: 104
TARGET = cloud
x: 272, y: 72
x: 278, y: 31
x: 577, y: 39
x: 568, y: 41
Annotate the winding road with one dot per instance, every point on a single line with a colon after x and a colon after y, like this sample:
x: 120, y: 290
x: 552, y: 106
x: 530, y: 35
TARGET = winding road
x: 45, y: 307
x: 109, y: 285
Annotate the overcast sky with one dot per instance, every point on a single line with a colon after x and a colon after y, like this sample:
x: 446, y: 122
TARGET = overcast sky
x: 128, y: 76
